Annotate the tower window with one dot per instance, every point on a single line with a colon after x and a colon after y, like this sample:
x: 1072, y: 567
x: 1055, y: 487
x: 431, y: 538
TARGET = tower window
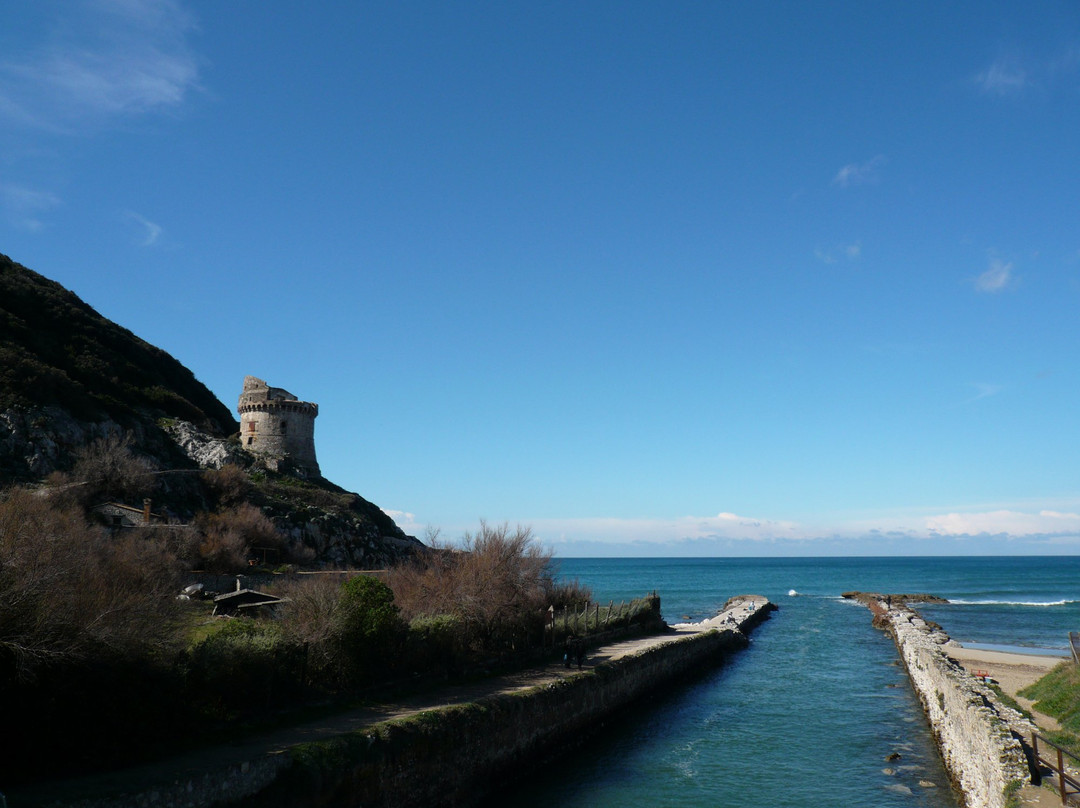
x: 284, y: 425
x: 251, y: 426
x: 251, y: 441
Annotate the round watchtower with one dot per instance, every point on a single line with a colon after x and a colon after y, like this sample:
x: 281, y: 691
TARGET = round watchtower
x: 277, y: 426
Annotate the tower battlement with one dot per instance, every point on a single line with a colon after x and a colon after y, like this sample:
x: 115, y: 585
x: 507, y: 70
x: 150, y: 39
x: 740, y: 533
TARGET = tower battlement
x: 277, y: 426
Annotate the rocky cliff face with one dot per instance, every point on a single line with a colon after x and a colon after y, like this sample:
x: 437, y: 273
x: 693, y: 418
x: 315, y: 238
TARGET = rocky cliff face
x: 36, y: 441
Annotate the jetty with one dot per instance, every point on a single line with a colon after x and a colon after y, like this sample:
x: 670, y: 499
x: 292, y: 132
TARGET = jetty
x: 979, y: 737
x: 449, y: 747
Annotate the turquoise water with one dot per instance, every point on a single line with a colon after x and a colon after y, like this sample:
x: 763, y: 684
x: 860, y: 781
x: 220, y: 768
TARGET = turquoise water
x: 809, y: 713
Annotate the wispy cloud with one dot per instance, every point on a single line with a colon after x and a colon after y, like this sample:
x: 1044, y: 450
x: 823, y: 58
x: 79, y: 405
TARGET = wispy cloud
x: 860, y: 173
x: 984, y: 390
x: 1003, y: 78
x: 149, y: 231
x: 104, y: 59
x: 24, y: 208
x: 848, y: 252
x: 1009, y: 76
x: 995, y: 279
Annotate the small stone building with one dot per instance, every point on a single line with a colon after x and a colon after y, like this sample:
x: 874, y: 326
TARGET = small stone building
x: 118, y: 515
x: 277, y: 427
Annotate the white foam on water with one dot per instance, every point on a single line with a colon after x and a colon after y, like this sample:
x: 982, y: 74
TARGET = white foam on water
x: 962, y: 602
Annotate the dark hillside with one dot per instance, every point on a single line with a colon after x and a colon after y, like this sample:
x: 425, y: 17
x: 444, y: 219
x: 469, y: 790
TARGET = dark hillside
x: 72, y: 380
x: 55, y: 350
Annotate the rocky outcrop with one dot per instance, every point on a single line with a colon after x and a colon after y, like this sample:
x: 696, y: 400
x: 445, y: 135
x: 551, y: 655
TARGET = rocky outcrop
x: 974, y: 731
x: 344, y: 540
x: 204, y: 450
x: 37, y: 441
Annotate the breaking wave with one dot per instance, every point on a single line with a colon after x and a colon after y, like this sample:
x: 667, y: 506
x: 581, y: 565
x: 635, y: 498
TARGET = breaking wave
x: 962, y: 602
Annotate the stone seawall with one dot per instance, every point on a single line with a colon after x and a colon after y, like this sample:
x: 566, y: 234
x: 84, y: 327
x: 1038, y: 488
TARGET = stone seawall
x: 455, y: 755
x: 972, y: 728
x: 448, y: 754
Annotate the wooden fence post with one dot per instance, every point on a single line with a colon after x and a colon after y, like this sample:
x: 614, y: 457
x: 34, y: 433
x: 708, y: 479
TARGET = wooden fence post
x: 1061, y: 777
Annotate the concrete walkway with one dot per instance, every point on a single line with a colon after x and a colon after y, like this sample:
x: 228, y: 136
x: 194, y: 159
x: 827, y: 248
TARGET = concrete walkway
x: 171, y: 772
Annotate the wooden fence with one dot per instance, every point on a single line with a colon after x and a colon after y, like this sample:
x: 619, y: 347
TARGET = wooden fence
x: 1067, y: 785
x: 592, y: 618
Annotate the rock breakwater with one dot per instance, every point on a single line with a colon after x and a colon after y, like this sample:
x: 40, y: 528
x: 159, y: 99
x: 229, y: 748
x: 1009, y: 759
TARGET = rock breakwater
x: 977, y: 735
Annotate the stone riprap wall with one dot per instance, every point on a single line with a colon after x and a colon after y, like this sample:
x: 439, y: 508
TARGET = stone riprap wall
x: 456, y: 754
x: 972, y: 728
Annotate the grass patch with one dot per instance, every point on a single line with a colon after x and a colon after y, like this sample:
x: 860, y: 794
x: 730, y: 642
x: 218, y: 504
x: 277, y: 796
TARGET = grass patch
x: 1057, y: 694
x: 1011, y: 794
x: 199, y: 622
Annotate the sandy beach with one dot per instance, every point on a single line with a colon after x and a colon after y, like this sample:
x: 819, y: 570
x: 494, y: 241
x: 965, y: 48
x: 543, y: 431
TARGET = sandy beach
x: 1012, y: 672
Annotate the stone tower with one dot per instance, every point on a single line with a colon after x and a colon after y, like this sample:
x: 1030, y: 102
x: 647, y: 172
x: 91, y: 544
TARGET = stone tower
x: 277, y: 426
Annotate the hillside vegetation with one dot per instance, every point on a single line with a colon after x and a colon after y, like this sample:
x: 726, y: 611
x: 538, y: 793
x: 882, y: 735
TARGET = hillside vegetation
x: 55, y: 350
x: 1057, y: 694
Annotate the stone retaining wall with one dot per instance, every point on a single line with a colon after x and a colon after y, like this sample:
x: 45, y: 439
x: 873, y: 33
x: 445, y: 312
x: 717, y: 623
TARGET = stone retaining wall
x: 972, y: 728
x: 456, y: 754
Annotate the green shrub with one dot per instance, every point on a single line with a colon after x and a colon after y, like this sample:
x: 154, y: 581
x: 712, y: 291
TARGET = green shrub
x: 435, y: 644
x: 369, y: 626
x: 244, y: 667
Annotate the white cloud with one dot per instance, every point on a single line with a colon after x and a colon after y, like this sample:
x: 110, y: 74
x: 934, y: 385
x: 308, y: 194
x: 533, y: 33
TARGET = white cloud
x: 23, y: 207
x: 105, y: 59
x: 406, y: 521
x: 150, y: 230
x: 1004, y: 77
x: 996, y: 278
x: 1013, y: 523
x: 984, y: 532
x: 860, y: 173
x: 685, y: 528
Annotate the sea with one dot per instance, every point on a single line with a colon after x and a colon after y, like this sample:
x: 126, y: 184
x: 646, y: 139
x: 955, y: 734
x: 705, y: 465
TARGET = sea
x: 817, y: 709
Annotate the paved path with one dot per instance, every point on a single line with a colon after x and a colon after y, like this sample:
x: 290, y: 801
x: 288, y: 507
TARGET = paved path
x: 183, y: 768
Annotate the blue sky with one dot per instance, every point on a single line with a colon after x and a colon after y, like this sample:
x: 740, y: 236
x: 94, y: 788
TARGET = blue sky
x: 653, y: 278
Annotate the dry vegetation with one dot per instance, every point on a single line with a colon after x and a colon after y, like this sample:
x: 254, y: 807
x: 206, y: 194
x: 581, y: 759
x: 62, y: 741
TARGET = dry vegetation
x: 496, y: 587
x: 70, y: 592
x: 99, y: 660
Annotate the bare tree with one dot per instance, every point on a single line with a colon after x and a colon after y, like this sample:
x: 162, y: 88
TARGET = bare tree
x: 108, y: 468
x: 229, y: 536
x: 68, y: 592
x: 497, y: 584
